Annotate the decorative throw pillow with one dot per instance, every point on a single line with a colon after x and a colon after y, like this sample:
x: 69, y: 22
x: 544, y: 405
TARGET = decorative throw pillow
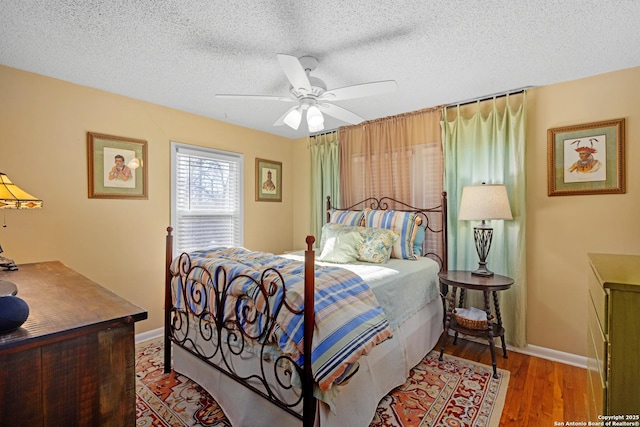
x: 355, y: 218
x: 405, y: 224
x: 342, y: 249
x: 331, y: 230
x: 377, y: 245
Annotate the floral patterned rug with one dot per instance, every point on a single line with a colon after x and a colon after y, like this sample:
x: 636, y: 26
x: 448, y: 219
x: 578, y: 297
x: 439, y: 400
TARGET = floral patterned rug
x: 454, y: 392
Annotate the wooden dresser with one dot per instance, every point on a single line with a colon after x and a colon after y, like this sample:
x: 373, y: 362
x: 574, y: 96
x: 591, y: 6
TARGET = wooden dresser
x: 613, y: 337
x: 72, y: 363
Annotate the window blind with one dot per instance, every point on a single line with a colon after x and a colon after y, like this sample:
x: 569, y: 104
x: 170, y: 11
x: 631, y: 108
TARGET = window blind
x: 426, y: 186
x: 424, y: 165
x: 207, y: 198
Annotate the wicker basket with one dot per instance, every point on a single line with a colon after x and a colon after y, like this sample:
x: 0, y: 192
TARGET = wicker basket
x: 468, y: 323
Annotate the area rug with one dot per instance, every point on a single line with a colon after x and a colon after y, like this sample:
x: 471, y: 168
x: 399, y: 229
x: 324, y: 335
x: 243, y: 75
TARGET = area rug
x: 454, y: 392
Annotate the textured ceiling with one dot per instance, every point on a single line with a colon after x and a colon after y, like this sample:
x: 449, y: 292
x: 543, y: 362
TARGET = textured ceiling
x: 180, y: 53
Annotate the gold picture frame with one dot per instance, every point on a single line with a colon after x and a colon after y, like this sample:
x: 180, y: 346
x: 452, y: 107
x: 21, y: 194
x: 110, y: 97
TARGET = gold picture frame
x: 118, y: 167
x: 587, y: 158
x: 268, y: 181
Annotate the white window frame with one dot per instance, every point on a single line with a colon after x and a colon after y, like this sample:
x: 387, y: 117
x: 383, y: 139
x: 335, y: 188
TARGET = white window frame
x: 178, y: 147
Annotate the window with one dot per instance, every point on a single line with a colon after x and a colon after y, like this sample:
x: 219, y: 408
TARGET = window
x: 424, y: 164
x: 206, y: 198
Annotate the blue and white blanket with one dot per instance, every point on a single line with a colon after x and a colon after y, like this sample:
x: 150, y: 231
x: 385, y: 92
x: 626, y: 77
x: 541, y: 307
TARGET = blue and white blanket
x: 349, y: 320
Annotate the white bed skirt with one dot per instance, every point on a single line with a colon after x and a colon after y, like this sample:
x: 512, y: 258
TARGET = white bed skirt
x: 387, y: 366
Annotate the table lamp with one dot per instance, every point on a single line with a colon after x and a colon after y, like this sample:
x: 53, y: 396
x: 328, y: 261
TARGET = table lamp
x: 13, y: 197
x: 482, y: 203
x: 14, y: 311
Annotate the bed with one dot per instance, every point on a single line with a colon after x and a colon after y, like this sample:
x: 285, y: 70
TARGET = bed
x: 239, y: 322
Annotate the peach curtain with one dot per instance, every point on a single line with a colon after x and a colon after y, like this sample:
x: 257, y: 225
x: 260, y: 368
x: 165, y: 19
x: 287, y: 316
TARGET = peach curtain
x: 398, y: 157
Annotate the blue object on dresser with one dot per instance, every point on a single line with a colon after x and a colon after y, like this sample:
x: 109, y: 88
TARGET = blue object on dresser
x: 13, y: 313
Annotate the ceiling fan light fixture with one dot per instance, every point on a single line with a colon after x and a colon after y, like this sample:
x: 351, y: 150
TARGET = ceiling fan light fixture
x: 312, y: 97
x: 316, y: 128
x: 293, y: 119
x: 314, y: 117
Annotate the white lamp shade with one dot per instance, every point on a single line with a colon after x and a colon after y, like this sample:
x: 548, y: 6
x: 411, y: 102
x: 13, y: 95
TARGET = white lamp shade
x: 314, y: 117
x: 484, y: 202
x: 293, y: 119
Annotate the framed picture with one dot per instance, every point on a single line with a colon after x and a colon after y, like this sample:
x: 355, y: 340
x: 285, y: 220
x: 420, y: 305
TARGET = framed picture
x: 268, y: 181
x: 117, y: 167
x: 586, y: 159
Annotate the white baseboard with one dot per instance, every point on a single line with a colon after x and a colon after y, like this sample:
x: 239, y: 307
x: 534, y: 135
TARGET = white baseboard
x: 149, y: 335
x: 555, y: 355
x: 536, y: 351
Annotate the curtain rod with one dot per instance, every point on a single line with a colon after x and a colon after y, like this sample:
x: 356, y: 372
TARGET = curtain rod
x: 455, y: 104
x: 324, y: 133
x: 489, y: 97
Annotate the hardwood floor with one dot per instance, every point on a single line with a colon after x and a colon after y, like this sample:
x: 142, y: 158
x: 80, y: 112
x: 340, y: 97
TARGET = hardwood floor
x: 541, y: 392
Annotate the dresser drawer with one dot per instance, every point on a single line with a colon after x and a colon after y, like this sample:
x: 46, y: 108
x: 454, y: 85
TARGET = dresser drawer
x: 600, y: 298
x: 596, y: 341
x: 596, y: 392
x: 597, y: 368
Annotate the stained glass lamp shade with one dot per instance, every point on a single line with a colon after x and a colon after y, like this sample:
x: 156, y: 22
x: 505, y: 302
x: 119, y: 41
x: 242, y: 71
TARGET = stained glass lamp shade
x: 13, y: 197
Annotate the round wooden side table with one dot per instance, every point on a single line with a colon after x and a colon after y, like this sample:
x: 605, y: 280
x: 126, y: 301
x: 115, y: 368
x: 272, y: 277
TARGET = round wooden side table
x: 464, y: 280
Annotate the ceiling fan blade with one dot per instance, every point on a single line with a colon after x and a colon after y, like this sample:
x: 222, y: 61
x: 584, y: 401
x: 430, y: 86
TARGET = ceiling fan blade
x: 340, y: 113
x: 260, y: 97
x: 294, y: 125
x: 294, y: 72
x: 360, y: 91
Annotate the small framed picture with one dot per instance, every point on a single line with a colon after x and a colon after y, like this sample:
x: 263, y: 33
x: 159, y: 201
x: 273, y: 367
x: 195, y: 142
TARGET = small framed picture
x: 268, y: 181
x: 586, y: 159
x: 117, y: 167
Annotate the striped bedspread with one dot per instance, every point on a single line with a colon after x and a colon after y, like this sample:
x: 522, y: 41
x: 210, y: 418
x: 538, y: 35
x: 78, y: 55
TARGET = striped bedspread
x: 349, y: 320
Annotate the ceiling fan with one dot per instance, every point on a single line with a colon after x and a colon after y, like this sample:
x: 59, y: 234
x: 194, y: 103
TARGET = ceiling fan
x: 312, y: 95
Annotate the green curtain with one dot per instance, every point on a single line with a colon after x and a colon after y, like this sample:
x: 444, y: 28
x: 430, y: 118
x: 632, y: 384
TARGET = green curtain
x: 490, y: 149
x: 325, y: 178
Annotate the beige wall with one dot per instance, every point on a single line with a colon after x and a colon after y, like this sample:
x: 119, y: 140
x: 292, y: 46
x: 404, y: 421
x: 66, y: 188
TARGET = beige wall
x: 301, y: 198
x: 561, y: 230
x: 117, y: 243
x: 120, y: 243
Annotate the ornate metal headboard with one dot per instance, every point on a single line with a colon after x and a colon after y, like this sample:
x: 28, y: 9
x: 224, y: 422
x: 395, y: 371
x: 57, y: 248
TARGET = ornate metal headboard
x: 433, y: 218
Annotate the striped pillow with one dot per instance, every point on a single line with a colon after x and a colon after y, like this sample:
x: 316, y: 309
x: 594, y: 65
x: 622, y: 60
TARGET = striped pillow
x: 355, y: 218
x: 419, y: 240
x: 405, y: 224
